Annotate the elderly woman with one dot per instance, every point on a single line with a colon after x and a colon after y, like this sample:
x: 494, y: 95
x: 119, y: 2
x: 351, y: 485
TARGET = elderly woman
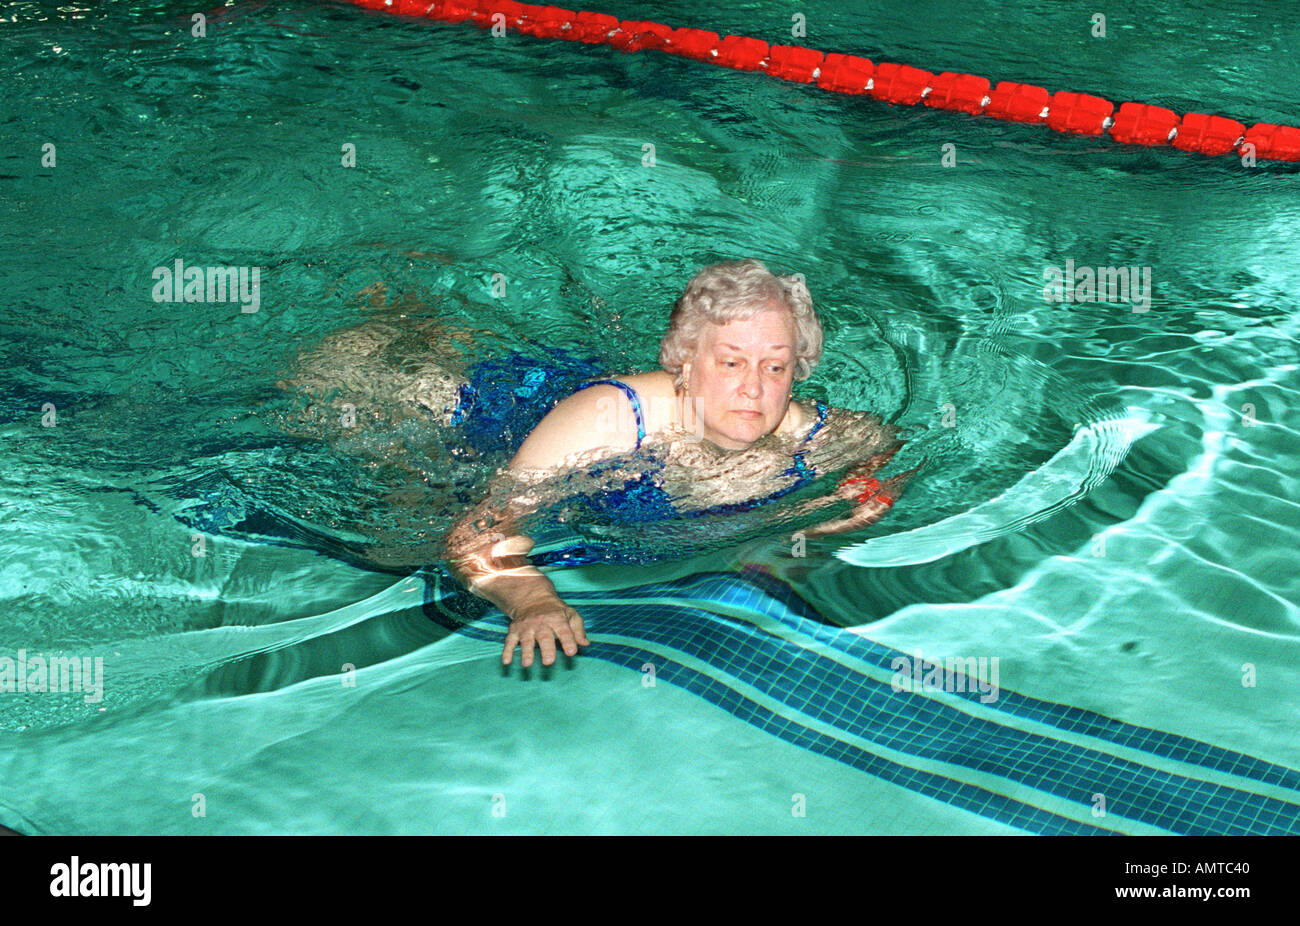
x: 738, y: 337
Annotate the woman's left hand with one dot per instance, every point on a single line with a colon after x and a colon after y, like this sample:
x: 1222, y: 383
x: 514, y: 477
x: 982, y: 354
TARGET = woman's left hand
x: 859, y: 484
x: 872, y: 498
x: 874, y: 505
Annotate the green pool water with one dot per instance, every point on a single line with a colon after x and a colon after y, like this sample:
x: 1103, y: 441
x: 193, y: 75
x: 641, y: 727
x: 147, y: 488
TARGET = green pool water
x: 1110, y: 507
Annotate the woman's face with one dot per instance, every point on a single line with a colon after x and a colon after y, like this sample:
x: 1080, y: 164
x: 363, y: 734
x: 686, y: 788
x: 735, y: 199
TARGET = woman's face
x: 739, y: 380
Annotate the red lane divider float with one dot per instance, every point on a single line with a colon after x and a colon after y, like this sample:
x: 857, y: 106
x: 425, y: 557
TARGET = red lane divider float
x: 1063, y: 111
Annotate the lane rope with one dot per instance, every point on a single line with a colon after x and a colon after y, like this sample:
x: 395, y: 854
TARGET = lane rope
x: 1063, y: 111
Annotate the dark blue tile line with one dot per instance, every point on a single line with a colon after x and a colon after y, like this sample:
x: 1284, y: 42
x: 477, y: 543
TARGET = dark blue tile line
x: 780, y: 603
x: 947, y: 790
x: 821, y: 687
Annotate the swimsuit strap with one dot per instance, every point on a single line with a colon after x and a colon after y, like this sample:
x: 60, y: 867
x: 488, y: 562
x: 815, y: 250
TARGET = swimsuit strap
x: 801, y: 468
x: 631, y: 397
x: 821, y: 420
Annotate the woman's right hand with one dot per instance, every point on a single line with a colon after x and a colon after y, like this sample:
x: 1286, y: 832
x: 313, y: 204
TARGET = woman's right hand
x: 542, y: 623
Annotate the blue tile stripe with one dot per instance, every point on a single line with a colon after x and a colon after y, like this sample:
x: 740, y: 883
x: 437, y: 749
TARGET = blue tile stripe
x: 774, y: 599
x: 823, y: 688
x: 916, y: 724
x: 951, y: 791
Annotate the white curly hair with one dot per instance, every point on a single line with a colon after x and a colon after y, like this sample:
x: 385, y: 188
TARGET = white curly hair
x: 735, y: 290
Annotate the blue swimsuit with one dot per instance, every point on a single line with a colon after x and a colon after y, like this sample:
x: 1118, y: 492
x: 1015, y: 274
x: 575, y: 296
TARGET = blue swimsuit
x: 643, y: 498
x: 498, y: 416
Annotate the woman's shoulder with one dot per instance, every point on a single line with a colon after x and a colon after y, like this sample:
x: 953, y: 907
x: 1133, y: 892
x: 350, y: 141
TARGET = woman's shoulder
x: 655, y: 395
x: 655, y: 384
x: 589, y: 423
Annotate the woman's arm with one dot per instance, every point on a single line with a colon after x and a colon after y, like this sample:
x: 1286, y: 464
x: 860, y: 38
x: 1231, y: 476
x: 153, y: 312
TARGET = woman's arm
x: 487, y: 551
x: 489, y: 554
x: 872, y: 499
x: 866, y: 513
